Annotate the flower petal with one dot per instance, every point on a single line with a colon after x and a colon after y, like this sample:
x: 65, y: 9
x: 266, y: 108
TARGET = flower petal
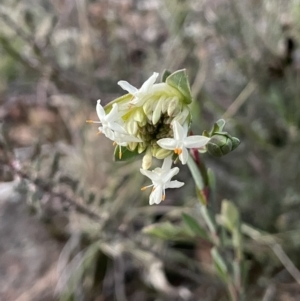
x: 116, y: 127
x: 167, y: 176
x: 167, y: 143
x: 127, y: 87
x: 123, y: 138
x: 108, y: 133
x: 174, y: 184
x: 156, y: 195
x: 167, y: 163
x: 100, y: 111
x: 179, y: 131
x: 196, y: 141
x: 148, y: 83
x: 113, y: 114
x: 183, y: 157
x: 154, y: 177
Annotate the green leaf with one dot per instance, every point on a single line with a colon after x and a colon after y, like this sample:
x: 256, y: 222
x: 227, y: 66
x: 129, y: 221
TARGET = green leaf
x: 194, y: 226
x: 165, y: 75
x: 122, y: 153
x: 168, y: 231
x: 212, y: 185
x: 230, y: 216
x: 162, y: 230
x: 179, y: 81
x: 220, y: 265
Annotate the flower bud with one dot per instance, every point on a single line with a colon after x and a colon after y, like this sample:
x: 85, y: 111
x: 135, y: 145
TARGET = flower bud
x: 132, y: 145
x: 148, y: 107
x: 222, y: 144
x: 165, y: 104
x: 183, y: 116
x: 157, y: 112
x: 139, y: 116
x: 132, y: 127
x: 173, y: 106
x: 162, y: 153
x: 147, y: 159
x: 141, y: 147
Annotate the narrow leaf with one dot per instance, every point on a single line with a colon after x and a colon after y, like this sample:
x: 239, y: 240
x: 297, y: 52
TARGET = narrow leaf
x: 194, y: 226
x: 230, y: 216
x: 168, y: 231
x: 162, y: 230
x: 220, y: 265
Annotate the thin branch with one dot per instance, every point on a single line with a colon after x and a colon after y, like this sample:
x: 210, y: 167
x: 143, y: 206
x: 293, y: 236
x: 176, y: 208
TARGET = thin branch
x: 285, y: 260
x: 240, y: 100
x: 276, y: 248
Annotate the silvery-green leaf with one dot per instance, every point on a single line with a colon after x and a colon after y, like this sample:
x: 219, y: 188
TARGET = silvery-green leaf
x: 179, y: 81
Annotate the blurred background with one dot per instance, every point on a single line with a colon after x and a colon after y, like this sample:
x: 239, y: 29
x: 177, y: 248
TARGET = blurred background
x: 73, y: 222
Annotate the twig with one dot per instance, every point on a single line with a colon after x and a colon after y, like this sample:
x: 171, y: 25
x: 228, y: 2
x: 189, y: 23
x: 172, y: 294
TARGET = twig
x: 285, y: 260
x: 270, y: 292
x: 200, y: 78
x: 276, y: 248
x: 240, y: 100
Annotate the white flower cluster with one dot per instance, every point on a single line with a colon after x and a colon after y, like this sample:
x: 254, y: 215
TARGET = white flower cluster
x: 153, y: 120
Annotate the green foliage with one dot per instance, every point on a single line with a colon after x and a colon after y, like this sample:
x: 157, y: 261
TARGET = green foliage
x: 194, y: 226
x: 168, y: 231
x: 230, y: 216
x: 220, y: 265
x: 179, y: 81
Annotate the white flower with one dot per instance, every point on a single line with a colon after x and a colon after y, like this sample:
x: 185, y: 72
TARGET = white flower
x: 110, y: 123
x: 139, y: 94
x: 161, y: 180
x: 181, y: 142
x: 124, y: 139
